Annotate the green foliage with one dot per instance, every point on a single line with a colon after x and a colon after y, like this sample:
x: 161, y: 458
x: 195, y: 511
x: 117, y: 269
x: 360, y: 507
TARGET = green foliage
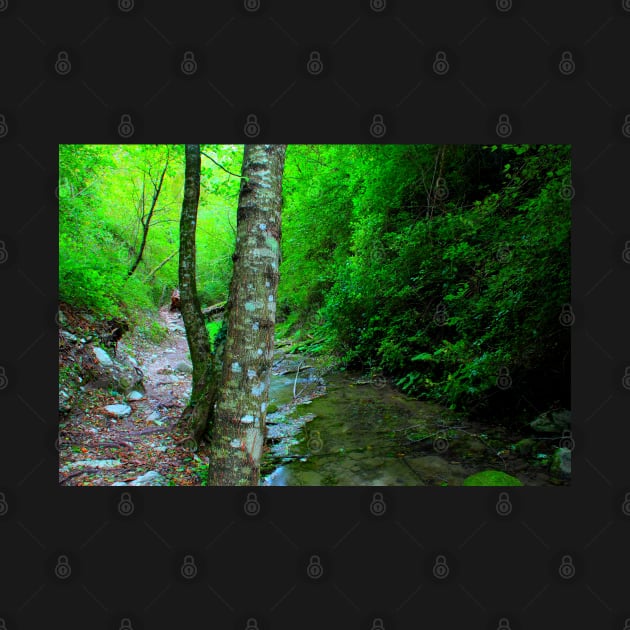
x: 105, y: 192
x: 441, y: 266
x: 215, y: 329
x: 155, y: 332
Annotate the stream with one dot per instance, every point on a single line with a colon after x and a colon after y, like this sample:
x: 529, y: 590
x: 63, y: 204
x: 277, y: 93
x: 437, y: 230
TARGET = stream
x: 361, y: 431
x: 325, y: 426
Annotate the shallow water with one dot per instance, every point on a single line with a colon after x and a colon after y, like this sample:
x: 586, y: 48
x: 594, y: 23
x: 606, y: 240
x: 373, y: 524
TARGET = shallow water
x: 358, y: 434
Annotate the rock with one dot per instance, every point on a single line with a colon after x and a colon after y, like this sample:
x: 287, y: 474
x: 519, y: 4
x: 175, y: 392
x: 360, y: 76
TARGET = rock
x: 152, y: 478
x: 135, y: 396
x: 561, y: 463
x: 119, y: 483
x: 93, y: 463
x: 118, y: 374
x: 118, y: 411
x: 69, y: 336
x: 154, y: 416
x: 133, y: 361
x: 310, y: 478
x: 102, y: 357
x: 555, y: 421
x: 525, y: 447
x: 491, y: 478
x: 476, y: 447
x: 184, y: 367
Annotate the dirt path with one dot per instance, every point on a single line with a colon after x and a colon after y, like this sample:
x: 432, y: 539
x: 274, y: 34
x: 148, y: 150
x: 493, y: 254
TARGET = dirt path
x: 145, y: 447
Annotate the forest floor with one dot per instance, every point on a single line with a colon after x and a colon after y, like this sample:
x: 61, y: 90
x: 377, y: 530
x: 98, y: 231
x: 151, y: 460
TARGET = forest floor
x: 371, y: 433
x: 147, y: 446
x: 97, y: 449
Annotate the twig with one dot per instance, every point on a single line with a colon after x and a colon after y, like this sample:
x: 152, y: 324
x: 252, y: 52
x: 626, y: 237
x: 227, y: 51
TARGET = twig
x: 85, y: 471
x: 297, y: 373
x: 223, y: 167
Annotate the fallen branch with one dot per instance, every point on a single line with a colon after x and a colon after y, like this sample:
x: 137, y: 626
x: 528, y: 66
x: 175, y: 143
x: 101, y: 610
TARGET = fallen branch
x: 306, y: 367
x: 113, y: 444
x: 154, y: 271
x: 297, y: 373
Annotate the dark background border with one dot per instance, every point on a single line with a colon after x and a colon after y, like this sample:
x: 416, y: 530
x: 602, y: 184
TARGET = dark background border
x: 376, y: 58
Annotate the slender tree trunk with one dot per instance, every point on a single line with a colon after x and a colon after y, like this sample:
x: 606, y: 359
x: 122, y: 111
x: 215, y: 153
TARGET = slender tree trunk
x: 146, y: 221
x: 156, y: 269
x: 238, y: 432
x: 196, y: 414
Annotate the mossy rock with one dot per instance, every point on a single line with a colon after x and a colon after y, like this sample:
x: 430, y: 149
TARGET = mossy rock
x: 525, y: 447
x: 272, y: 408
x: 491, y: 478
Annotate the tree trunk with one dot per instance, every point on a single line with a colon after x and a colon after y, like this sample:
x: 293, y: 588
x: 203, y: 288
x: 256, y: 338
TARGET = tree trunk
x: 156, y: 269
x: 146, y: 220
x: 238, y: 432
x: 196, y: 415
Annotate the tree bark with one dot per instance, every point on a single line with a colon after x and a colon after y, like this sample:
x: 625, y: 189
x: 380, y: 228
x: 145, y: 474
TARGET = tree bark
x: 238, y: 432
x: 197, y: 414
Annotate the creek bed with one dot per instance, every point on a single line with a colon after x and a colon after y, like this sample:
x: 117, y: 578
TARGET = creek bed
x: 357, y: 432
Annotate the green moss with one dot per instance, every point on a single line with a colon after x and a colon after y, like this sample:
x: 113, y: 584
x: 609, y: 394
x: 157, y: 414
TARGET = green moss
x: 491, y: 478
